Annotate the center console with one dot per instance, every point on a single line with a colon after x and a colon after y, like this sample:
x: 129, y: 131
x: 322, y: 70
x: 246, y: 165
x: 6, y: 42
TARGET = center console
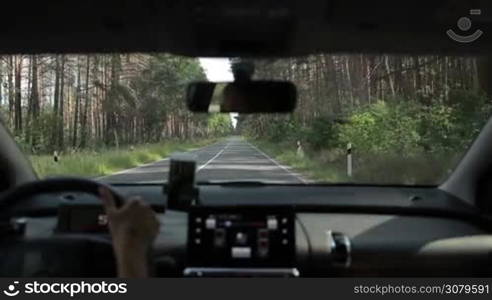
x: 242, y: 242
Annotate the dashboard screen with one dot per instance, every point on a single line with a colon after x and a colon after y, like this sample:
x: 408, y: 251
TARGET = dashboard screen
x: 82, y: 219
x: 222, y: 238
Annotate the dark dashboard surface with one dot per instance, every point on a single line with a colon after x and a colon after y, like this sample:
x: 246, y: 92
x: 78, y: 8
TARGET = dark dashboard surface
x: 315, y: 197
x: 392, y: 231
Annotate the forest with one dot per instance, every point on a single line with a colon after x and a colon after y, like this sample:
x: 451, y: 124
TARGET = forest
x: 73, y: 104
x: 409, y: 119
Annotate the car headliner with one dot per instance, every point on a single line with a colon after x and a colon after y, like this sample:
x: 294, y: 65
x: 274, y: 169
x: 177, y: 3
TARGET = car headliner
x: 240, y: 27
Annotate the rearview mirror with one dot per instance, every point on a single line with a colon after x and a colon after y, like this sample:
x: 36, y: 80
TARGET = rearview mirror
x: 242, y: 97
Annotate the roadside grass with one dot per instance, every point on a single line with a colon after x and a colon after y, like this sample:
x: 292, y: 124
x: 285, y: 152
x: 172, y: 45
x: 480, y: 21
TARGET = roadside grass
x: 330, y: 165
x: 105, y: 162
x: 309, y: 167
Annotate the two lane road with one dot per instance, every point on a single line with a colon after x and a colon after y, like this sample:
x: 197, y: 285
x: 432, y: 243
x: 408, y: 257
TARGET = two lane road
x: 231, y: 159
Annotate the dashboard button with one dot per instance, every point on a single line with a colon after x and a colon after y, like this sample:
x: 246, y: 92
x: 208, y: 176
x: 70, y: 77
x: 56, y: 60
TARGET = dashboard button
x: 263, y: 248
x: 219, y: 238
x: 272, y: 223
x: 241, y: 238
x: 241, y: 252
x: 210, y: 223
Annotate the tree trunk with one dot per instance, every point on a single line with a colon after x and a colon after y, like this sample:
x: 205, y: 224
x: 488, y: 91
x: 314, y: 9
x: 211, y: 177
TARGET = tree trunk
x: 86, y: 106
x: 34, y: 104
x: 390, y: 78
x: 18, y: 97
x: 56, y: 104
x: 77, y: 104
x: 11, y: 90
x: 61, y: 108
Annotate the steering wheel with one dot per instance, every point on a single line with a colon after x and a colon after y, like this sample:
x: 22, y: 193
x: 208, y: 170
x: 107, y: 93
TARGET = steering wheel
x: 25, y: 191
x: 63, y: 256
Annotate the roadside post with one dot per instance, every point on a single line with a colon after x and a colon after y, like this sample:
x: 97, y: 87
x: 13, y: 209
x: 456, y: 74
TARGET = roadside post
x: 300, y: 150
x: 349, y: 159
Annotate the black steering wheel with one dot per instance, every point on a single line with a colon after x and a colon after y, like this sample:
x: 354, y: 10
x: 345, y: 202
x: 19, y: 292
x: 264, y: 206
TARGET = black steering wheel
x: 25, y: 191
x: 63, y: 256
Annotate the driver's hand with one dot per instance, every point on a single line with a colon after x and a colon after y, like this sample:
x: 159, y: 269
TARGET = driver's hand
x: 133, y: 227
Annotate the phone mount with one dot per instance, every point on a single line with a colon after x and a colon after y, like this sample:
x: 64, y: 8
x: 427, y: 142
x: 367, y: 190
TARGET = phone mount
x: 181, y: 189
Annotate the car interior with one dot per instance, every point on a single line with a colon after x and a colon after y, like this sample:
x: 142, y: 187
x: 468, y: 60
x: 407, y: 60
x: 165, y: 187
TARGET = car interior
x: 249, y: 229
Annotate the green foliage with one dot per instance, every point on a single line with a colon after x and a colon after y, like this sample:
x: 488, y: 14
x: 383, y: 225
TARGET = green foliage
x: 123, y: 100
x: 220, y: 124
x: 158, y: 95
x: 398, y: 141
x: 383, y: 128
x: 284, y: 130
x: 411, y: 128
x: 322, y: 133
x: 317, y: 134
x: 452, y: 127
x: 41, y: 128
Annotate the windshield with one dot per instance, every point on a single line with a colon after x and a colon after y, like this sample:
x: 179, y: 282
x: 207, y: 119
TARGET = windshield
x: 362, y: 119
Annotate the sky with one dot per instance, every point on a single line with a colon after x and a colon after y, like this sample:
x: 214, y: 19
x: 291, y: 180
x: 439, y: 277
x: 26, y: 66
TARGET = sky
x: 218, y: 69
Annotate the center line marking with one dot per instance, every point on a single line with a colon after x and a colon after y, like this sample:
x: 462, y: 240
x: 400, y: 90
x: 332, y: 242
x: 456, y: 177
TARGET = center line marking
x: 210, y: 160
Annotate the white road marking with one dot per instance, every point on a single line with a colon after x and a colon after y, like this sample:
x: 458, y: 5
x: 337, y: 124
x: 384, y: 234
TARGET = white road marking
x: 276, y: 163
x: 210, y: 160
x: 228, y: 144
x: 146, y: 165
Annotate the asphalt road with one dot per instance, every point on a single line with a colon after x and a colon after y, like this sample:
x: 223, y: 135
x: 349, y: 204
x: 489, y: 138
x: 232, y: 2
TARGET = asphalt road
x: 230, y: 159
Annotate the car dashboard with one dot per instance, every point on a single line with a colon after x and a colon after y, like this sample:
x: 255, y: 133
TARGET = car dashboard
x: 271, y: 231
